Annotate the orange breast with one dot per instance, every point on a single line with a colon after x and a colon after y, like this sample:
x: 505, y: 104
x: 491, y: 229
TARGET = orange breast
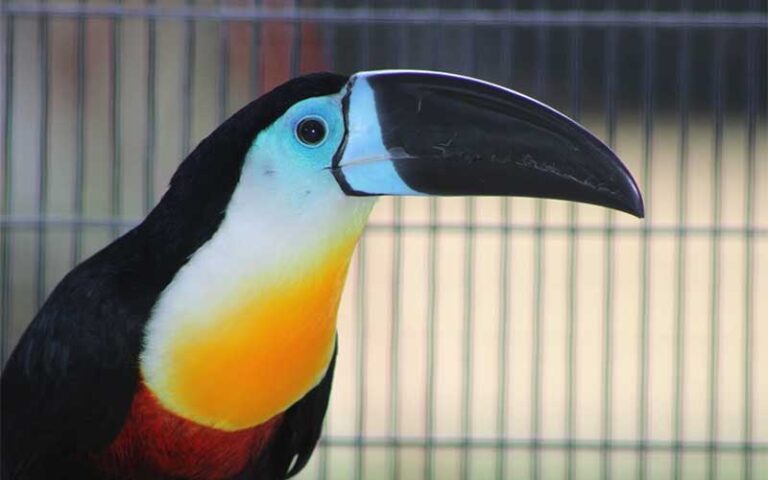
x: 268, y: 346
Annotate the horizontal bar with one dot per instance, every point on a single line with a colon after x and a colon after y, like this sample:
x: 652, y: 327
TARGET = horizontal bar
x: 413, y: 16
x: 577, y: 444
x: 20, y: 222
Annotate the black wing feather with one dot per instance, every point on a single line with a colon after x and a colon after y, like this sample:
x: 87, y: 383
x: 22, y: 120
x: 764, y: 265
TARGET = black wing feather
x: 69, y: 383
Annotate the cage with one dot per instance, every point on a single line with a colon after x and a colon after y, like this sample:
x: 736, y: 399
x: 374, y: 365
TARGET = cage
x: 479, y: 338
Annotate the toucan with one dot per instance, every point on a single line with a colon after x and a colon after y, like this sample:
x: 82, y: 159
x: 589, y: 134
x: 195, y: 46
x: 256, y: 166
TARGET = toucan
x: 201, y: 344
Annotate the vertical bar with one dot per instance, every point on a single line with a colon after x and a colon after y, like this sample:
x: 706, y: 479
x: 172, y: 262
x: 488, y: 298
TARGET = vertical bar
x: 432, y: 285
x: 538, y: 282
x: 469, y: 260
x: 572, y: 325
x: 79, y: 194
x: 360, y: 356
x: 116, y: 119
x: 295, y: 45
x: 149, y: 152
x: 501, y: 422
x: 683, y: 75
x: 362, y: 320
x: 188, y: 81
x: 401, y: 47
x: 649, y: 72
x: 255, y: 80
x: 714, y: 340
x: 540, y: 91
x: 5, y: 232
x: 223, y: 66
x: 749, y: 247
x: 42, y: 191
x: 329, y: 37
x: 506, y: 49
x: 469, y: 257
x: 611, y: 46
x: 394, y: 356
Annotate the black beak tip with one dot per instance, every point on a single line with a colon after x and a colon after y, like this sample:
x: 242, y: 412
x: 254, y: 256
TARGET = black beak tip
x: 625, y: 191
x: 629, y: 198
x: 632, y: 202
x: 626, y: 197
x: 635, y: 206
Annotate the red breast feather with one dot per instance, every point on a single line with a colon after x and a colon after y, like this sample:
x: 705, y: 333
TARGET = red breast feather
x: 155, y: 443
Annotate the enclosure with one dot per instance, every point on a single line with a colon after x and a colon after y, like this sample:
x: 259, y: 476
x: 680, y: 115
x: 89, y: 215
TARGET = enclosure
x: 481, y: 337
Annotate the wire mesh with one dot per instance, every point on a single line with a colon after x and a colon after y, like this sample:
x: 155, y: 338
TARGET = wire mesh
x: 479, y: 338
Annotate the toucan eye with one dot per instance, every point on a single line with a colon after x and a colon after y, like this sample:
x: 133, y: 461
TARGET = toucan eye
x: 311, y: 131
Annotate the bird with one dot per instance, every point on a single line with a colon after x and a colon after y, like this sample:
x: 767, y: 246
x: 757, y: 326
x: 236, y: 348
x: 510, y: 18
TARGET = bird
x: 201, y: 344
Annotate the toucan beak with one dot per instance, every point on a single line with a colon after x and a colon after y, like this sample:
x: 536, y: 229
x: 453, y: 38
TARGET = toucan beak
x: 430, y: 133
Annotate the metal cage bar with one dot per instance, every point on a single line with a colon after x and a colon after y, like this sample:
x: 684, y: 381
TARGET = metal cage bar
x: 416, y: 16
x: 683, y: 68
x: 749, y: 272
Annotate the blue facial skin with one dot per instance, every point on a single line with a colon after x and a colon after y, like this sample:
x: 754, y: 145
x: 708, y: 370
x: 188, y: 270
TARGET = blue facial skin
x: 289, y: 172
x: 366, y: 163
x: 282, y: 136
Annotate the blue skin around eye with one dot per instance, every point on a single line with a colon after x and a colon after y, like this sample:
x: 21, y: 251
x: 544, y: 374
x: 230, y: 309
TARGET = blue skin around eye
x: 328, y: 109
x: 280, y: 143
x: 289, y: 172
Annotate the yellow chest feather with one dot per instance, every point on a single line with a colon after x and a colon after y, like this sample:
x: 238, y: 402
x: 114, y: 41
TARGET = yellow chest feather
x: 270, y: 343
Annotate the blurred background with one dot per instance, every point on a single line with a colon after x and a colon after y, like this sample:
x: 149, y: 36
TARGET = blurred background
x: 479, y: 338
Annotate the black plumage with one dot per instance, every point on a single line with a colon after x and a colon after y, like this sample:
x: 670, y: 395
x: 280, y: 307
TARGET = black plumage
x: 68, y: 385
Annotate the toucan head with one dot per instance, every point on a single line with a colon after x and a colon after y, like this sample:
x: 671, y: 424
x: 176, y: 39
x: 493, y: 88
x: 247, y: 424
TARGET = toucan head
x: 401, y: 132
x: 267, y: 211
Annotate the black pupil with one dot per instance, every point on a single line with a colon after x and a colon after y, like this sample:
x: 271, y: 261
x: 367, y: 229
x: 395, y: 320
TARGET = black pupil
x: 311, y: 131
